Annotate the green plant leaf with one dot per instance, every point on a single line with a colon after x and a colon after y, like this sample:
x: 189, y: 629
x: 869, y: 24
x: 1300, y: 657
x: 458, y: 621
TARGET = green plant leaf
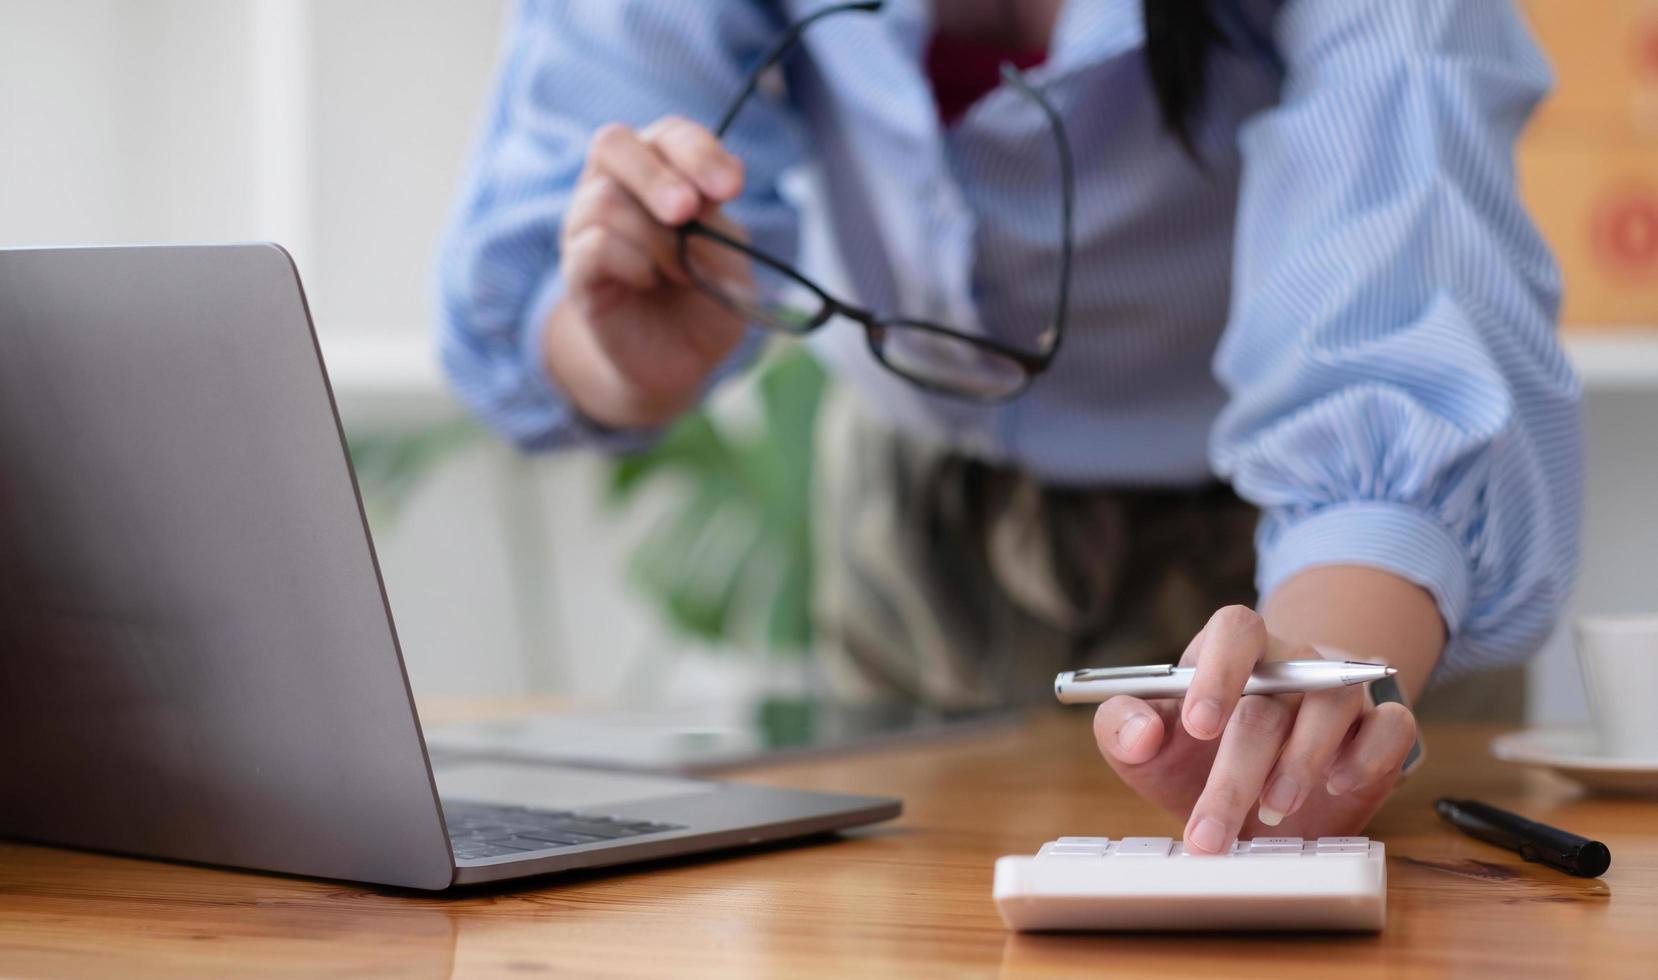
x: 732, y: 560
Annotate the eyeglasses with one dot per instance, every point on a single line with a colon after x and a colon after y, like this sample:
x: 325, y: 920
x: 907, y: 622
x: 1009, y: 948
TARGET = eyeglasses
x: 772, y: 294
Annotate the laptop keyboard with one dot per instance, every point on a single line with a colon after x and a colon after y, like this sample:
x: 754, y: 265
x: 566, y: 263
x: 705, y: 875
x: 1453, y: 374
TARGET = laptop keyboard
x: 483, y: 830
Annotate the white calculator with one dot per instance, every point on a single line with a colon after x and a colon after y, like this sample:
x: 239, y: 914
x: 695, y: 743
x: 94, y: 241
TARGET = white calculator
x: 1269, y: 883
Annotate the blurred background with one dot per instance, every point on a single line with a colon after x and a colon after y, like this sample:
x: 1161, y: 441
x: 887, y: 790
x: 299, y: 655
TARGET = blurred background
x: 339, y: 128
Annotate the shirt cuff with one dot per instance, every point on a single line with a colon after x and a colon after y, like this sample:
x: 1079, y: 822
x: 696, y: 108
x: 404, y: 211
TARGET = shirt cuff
x: 1388, y: 536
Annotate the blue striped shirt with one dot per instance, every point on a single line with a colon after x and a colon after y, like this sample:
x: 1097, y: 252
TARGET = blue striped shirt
x: 1344, y: 311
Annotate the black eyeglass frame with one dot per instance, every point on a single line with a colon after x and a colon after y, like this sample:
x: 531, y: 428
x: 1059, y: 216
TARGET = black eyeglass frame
x: 1033, y: 363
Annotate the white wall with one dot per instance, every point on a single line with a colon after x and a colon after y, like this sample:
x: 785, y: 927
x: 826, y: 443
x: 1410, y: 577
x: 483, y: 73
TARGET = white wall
x: 123, y: 121
x: 400, y: 86
x: 344, y: 123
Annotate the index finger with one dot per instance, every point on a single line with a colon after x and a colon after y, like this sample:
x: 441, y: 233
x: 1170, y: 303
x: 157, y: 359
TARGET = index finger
x: 697, y: 154
x: 1233, y: 642
x: 619, y: 153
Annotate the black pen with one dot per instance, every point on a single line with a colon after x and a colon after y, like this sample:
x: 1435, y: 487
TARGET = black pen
x: 1531, y: 840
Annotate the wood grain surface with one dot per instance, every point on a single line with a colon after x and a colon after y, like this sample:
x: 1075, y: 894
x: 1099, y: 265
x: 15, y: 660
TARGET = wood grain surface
x: 909, y: 898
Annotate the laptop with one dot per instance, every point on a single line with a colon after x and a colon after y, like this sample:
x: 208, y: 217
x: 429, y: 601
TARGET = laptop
x: 197, y: 658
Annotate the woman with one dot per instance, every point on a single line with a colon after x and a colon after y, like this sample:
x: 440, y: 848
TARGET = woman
x: 1302, y: 282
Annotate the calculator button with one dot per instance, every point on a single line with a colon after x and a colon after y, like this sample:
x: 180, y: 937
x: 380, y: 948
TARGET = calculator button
x: 1344, y: 845
x: 1144, y: 846
x: 1072, y: 850
x: 1180, y: 851
x: 1275, y: 845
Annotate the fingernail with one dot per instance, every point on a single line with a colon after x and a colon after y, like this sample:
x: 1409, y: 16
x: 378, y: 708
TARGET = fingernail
x: 1132, y: 729
x: 1339, y: 783
x: 1209, y: 835
x: 1203, y: 718
x: 672, y: 200
x: 1280, y: 796
x: 729, y: 178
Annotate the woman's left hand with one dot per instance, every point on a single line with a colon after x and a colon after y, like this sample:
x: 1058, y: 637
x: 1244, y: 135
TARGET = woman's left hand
x: 1309, y: 765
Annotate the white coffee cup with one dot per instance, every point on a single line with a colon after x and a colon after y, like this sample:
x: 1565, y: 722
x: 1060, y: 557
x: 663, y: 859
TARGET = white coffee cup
x: 1619, y: 659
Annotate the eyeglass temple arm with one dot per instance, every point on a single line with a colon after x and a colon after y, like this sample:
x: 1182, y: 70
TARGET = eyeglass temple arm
x: 1015, y: 78
x: 775, y: 53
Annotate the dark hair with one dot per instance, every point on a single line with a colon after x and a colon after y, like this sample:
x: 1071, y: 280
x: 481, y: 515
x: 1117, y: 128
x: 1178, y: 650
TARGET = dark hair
x: 1180, y: 37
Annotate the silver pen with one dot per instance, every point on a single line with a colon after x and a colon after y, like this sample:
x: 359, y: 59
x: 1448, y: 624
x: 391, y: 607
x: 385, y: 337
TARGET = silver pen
x: 1094, y: 684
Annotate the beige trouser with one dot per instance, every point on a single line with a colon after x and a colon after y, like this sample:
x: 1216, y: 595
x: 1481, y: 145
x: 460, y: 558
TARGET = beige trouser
x: 955, y: 583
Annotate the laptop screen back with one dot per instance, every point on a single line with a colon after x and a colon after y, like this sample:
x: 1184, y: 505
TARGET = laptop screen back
x: 196, y: 657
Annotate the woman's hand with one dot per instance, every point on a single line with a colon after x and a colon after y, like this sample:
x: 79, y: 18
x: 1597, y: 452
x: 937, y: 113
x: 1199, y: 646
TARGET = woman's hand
x: 632, y: 340
x: 1310, y: 765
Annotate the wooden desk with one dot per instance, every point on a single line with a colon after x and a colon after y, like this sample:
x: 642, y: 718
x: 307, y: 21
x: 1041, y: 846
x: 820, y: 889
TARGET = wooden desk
x: 910, y: 898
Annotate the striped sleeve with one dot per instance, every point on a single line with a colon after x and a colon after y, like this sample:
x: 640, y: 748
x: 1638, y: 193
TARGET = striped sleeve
x: 567, y: 69
x: 1398, y: 398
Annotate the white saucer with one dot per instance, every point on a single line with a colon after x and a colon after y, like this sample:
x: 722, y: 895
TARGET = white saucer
x: 1576, y: 754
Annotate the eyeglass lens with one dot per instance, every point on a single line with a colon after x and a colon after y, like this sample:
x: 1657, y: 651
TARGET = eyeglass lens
x: 948, y: 363
x: 764, y: 294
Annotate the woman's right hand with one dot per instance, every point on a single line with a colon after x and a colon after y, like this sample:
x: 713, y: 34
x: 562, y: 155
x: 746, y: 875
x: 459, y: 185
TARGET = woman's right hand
x: 632, y: 340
